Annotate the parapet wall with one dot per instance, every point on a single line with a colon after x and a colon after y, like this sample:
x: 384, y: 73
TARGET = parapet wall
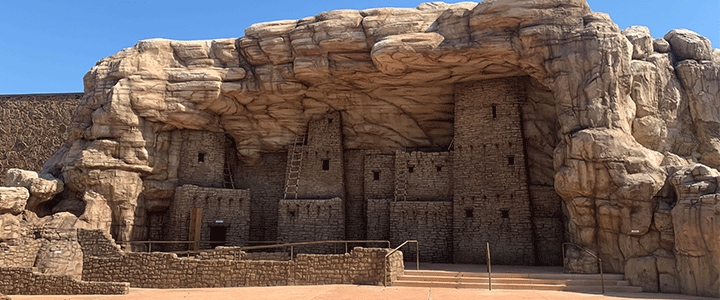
x: 33, y: 128
x: 26, y: 281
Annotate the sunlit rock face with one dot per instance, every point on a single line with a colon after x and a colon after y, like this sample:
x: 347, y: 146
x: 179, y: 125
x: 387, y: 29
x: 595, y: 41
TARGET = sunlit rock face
x: 610, y: 114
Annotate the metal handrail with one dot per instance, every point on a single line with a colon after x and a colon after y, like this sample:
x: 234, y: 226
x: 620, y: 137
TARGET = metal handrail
x: 417, y: 257
x: 489, y: 268
x: 602, y: 278
x: 291, y: 245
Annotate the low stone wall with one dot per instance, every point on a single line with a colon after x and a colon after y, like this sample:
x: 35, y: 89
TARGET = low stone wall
x: 166, y: 270
x: 235, y: 253
x: 25, y: 281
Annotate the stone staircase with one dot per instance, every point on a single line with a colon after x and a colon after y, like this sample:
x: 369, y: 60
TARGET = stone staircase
x: 614, y: 283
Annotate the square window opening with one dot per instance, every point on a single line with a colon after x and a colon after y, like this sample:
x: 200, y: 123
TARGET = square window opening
x: 494, y: 111
x: 505, y: 214
x: 439, y: 168
x: 326, y: 164
x: 292, y: 213
x: 468, y: 212
x: 511, y: 160
x: 376, y: 175
x: 411, y: 169
x: 201, y: 157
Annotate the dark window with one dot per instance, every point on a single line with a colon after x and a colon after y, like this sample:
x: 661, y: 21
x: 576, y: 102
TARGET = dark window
x: 218, y: 236
x: 292, y: 213
x: 326, y: 164
x: 376, y: 175
x: 494, y: 111
x: 511, y: 160
x: 411, y: 169
x: 330, y: 121
x: 201, y: 157
x: 505, y: 213
x: 468, y: 212
x: 439, y: 168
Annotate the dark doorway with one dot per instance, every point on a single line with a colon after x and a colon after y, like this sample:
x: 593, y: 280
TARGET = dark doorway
x: 218, y: 236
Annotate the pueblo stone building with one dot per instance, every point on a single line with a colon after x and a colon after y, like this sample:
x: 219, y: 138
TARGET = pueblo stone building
x: 518, y: 123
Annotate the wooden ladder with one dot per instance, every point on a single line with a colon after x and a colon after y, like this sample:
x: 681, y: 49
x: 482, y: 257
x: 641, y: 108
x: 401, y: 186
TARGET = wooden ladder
x: 228, y: 180
x: 293, y: 177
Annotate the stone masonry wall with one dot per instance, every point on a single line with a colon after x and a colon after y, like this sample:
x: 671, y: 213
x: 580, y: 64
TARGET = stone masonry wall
x: 548, y: 221
x: 33, y: 127
x: 322, y: 171
x: 27, y: 281
x: 491, y: 200
x: 202, y: 157
x: 22, y: 255
x: 428, y: 222
x: 355, y: 206
x: 228, y: 208
x: 311, y: 220
x: 378, y: 219
x: 382, y: 186
x: 428, y: 175
x: 266, y: 182
x: 166, y: 270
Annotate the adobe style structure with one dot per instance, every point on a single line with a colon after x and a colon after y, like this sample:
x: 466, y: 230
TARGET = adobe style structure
x: 516, y: 123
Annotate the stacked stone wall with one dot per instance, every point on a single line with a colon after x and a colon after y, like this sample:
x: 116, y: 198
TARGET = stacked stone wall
x: 378, y: 219
x: 22, y: 255
x: 428, y: 222
x: 27, y: 281
x: 428, y: 175
x: 355, y: 195
x: 491, y: 199
x: 33, y: 128
x: 382, y: 186
x: 228, y: 208
x: 548, y: 223
x: 266, y: 181
x: 312, y: 220
x: 202, y: 157
x: 236, y: 253
x: 322, y: 171
x: 222, y: 268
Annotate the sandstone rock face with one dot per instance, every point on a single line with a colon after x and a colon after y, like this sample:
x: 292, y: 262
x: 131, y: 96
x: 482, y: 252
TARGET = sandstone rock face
x: 696, y: 222
x: 610, y: 116
x: 41, y: 187
x: 13, y: 199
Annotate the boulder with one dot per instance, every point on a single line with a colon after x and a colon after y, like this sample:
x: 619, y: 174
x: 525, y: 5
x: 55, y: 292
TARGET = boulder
x: 641, y: 40
x: 661, y: 45
x: 687, y: 44
x: 13, y: 200
x: 42, y: 187
x: 642, y: 271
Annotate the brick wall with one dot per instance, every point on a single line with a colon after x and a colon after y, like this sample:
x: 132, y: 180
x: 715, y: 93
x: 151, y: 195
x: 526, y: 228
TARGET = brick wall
x: 232, y: 207
x: 378, y: 219
x: 26, y: 281
x: 548, y: 221
x: 33, y: 128
x: 266, y: 182
x: 428, y: 222
x: 324, y: 150
x: 202, y: 157
x: 355, y: 215
x: 311, y: 220
x: 428, y: 175
x: 491, y: 200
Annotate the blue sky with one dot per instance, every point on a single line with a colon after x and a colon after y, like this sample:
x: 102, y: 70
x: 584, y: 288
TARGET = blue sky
x: 47, y: 47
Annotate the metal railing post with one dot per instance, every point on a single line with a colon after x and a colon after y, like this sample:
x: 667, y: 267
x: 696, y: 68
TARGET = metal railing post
x: 346, y: 247
x: 602, y: 279
x: 489, y: 268
x: 291, y: 252
x: 417, y: 257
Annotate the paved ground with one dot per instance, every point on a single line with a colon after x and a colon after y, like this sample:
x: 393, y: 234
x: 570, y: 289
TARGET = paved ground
x: 339, y: 292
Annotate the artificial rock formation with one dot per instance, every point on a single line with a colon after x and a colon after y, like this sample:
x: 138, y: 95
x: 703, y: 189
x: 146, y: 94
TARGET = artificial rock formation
x: 610, y: 116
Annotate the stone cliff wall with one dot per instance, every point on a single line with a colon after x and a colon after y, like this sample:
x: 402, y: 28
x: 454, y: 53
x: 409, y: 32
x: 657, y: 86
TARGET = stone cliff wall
x: 33, y: 128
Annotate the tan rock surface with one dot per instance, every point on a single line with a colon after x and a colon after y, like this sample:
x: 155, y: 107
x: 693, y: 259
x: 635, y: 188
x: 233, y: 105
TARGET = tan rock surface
x: 13, y: 199
x: 42, y: 187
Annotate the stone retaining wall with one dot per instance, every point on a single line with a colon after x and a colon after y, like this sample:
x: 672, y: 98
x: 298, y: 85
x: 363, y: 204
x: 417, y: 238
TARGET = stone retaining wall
x: 166, y: 270
x: 26, y: 281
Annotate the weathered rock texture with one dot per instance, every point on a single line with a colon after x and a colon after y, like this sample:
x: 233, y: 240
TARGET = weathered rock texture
x: 610, y: 115
x: 33, y: 127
